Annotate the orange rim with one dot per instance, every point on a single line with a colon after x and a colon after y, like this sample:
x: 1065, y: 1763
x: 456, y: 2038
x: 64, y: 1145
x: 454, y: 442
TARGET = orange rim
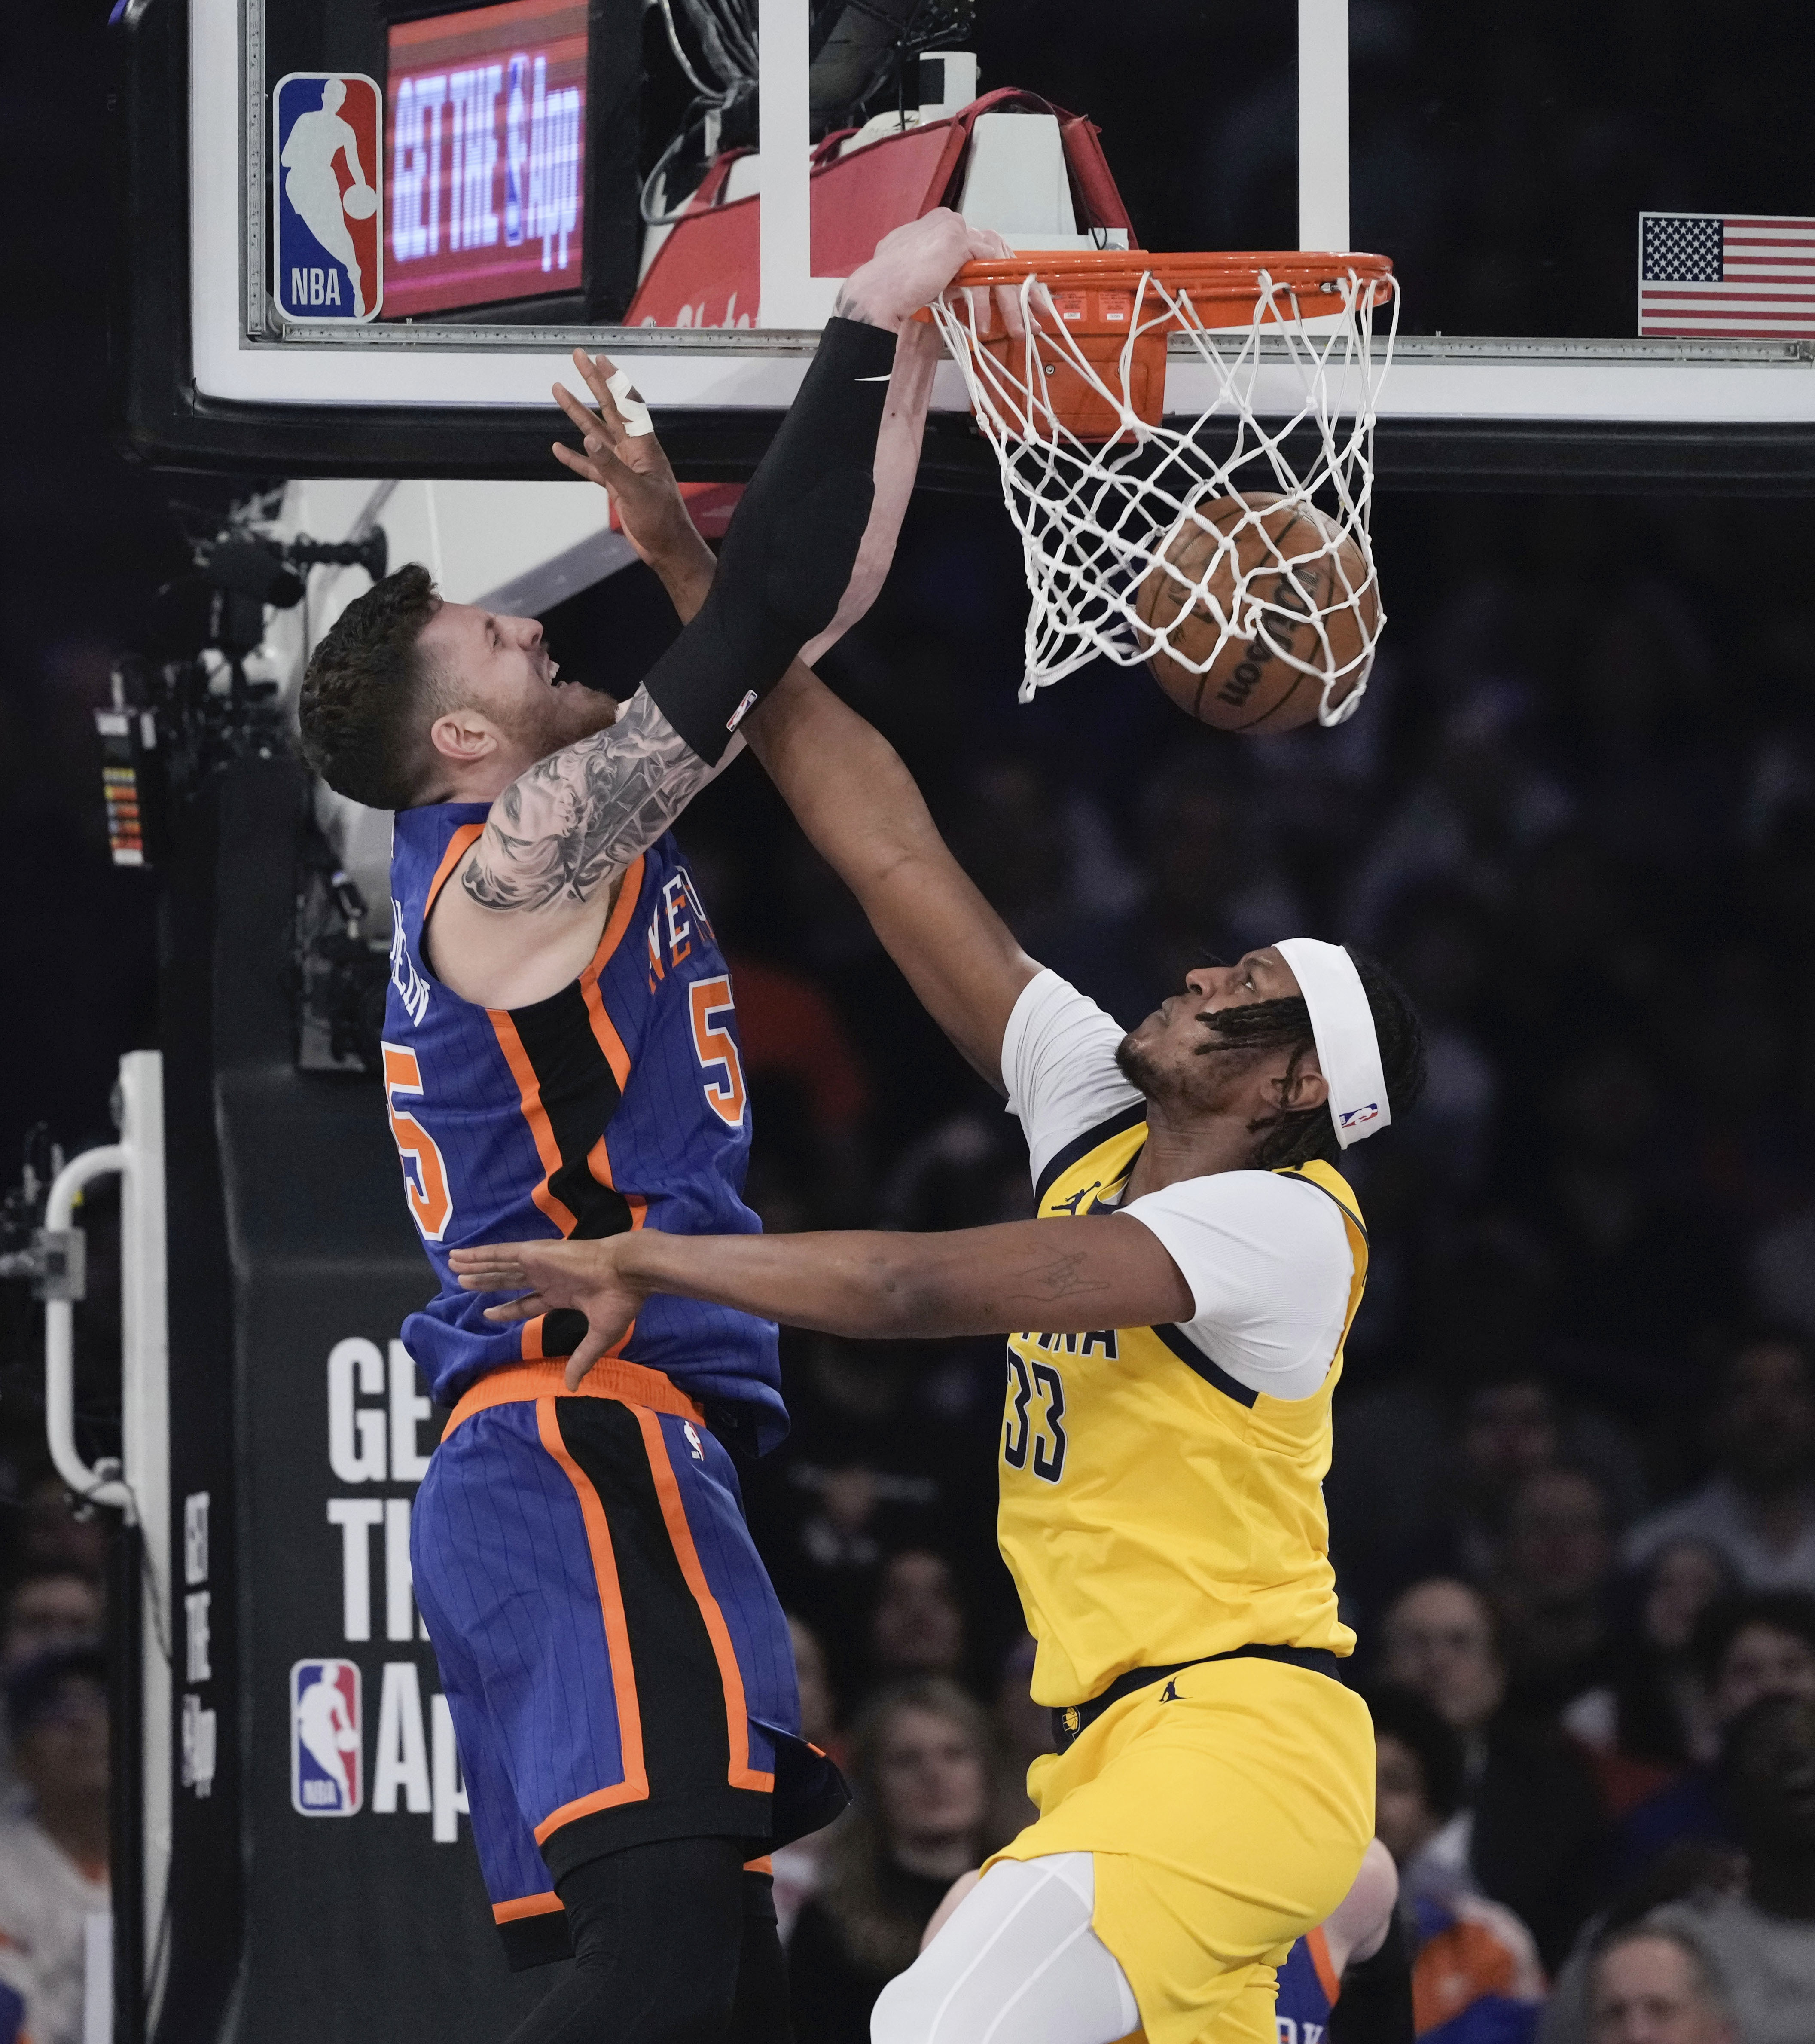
x: 1226, y: 277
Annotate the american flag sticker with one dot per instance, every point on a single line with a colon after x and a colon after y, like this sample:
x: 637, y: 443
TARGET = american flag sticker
x: 1726, y: 275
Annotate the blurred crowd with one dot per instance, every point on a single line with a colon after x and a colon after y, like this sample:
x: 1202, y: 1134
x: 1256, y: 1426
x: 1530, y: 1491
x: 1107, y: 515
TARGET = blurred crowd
x: 54, y: 1784
x: 1573, y: 1503
x: 1572, y: 1508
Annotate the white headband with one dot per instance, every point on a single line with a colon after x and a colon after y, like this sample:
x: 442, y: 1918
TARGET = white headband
x: 1343, y: 1025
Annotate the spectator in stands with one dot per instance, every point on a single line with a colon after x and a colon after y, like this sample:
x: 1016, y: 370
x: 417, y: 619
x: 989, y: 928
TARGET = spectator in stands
x: 1509, y: 1430
x: 1649, y: 1985
x: 809, y: 1090
x: 1550, y: 1588
x: 920, y: 1768
x: 797, y: 1866
x: 1647, y: 1722
x: 1045, y: 856
x: 918, y: 1627
x: 1758, y: 1509
x: 1756, y: 1934
x: 1441, y: 946
x: 46, y: 1610
x: 1752, y: 1646
x: 1023, y: 1731
x: 54, y: 1538
x: 1534, y: 1827
x: 53, y: 1862
x: 1476, y: 1975
x: 1641, y: 1268
x: 1214, y: 887
x: 867, y: 1470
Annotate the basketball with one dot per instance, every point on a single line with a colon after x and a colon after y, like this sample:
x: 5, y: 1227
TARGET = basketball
x: 1276, y: 567
x: 360, y: 201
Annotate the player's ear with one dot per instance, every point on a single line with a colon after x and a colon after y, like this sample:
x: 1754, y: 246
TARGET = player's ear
x: 463, y: 735
x: 1306, y: 1087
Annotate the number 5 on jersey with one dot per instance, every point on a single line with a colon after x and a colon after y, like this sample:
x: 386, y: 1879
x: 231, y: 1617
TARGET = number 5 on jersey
x: 426, y: 1184
x: 710, y: 1003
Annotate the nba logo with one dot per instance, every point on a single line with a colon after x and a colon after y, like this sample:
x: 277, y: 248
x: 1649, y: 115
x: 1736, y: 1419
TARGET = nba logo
x: 327, y: 239
x: 326, y: 1745
x: 1357, y: 1118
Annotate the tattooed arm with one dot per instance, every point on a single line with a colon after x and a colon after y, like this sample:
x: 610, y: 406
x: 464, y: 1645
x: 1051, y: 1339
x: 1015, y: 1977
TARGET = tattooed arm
x: 534, y: 893
x: 565, y: 830
x: 1060, y: 1276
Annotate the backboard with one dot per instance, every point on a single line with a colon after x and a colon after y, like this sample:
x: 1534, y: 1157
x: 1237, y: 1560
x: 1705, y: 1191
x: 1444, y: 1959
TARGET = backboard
x: 1596, y: 217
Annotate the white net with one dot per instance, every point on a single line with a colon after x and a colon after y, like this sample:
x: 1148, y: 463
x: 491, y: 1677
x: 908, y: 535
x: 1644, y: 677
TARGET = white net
x: 1131, y: 544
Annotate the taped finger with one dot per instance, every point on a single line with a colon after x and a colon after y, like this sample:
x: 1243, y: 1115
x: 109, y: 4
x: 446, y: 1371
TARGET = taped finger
x: 631, y: 409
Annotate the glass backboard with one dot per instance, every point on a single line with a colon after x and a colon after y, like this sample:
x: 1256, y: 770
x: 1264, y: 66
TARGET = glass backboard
x: 1603, y: 220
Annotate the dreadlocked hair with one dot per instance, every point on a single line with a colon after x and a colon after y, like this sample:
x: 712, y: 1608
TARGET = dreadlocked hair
x: 1303, y: 1134
x: 367, y: 686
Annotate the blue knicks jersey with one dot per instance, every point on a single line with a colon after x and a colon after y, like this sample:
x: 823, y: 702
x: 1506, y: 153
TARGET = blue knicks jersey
x: 617, y: 1103
x: 1308, y: 1988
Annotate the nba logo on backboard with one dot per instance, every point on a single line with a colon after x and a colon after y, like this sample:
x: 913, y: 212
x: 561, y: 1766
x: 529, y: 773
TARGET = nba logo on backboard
x: 327, y: 187
x: 327, y: 1746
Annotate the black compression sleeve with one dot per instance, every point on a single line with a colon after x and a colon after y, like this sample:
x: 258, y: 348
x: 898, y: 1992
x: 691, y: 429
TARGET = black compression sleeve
x: 1376, y: 2004
x: 788, y: 558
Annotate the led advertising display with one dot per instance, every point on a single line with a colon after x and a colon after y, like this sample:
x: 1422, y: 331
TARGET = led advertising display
x: 486, y: 121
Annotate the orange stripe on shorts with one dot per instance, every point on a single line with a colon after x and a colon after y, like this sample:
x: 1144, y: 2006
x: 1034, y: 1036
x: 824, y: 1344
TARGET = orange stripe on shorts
x: 740, y: 1774
x: 635, y: 1786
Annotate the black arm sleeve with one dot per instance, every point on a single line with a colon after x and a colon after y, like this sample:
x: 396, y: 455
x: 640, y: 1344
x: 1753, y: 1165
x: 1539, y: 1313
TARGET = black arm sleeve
x: 788, y: 556
x: 1376, y: 2003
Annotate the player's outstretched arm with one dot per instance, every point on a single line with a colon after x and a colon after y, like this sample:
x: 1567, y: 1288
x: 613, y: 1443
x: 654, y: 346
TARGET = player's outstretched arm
x: 861, y: 810
x: 1064, y: 1276
x: 534, y: 890
x: 812, y: 527
x: 804, y: 557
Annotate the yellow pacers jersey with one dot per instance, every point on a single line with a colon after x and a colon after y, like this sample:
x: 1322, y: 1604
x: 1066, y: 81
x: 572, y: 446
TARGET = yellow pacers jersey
x: 1154, y: 1509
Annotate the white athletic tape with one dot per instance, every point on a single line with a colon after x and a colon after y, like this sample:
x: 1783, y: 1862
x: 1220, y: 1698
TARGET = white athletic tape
x: 631, y: 409
x: 1342, y: 1022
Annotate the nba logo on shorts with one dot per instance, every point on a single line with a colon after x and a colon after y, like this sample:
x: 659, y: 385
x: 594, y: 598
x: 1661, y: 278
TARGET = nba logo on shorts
x: 327, y: 1742
x: 326, y: 185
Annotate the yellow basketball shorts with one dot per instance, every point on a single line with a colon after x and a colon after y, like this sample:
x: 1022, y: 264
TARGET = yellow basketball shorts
x: 1227, y: 1811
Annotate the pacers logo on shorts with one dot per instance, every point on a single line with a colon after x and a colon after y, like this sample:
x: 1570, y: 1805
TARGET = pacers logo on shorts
x: 327, y: 186
x: 327, y: 1741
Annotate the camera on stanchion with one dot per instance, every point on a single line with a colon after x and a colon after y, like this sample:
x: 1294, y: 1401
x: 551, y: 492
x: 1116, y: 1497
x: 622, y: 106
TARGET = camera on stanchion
x: 192, y: 704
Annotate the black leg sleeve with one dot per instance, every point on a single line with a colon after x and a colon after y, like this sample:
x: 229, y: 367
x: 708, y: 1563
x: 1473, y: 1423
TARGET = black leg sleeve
x: 788, y: 558
x: 658, y: 1939
x: 1376, y: 2004
x: 760, y: 2015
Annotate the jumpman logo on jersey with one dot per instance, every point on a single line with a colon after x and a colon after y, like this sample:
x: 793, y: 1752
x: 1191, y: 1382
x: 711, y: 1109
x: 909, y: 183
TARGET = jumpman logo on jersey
x: 1072, y: 1205
x: 1170, y: 1693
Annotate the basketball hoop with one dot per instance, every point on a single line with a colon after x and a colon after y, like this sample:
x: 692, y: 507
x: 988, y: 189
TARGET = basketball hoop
x: 1103, y: 489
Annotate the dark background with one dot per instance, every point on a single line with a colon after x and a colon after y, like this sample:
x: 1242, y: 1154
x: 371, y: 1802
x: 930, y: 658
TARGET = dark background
x: 1577, y: 812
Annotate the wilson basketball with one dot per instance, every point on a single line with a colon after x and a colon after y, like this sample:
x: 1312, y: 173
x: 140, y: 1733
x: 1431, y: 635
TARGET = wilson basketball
x: 1276, y: 569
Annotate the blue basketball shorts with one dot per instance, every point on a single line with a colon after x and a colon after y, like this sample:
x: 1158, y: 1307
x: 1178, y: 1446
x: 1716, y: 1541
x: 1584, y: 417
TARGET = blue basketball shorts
x: 615, y: 1660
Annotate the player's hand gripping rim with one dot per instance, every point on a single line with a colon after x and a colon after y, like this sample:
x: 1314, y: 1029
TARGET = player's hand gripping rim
x: 915, y: 262
x: 582, y: 1277
x: 620, y: 452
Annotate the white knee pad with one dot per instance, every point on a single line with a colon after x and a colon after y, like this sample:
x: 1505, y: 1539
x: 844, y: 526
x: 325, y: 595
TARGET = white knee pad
x: 1018, y: 1963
